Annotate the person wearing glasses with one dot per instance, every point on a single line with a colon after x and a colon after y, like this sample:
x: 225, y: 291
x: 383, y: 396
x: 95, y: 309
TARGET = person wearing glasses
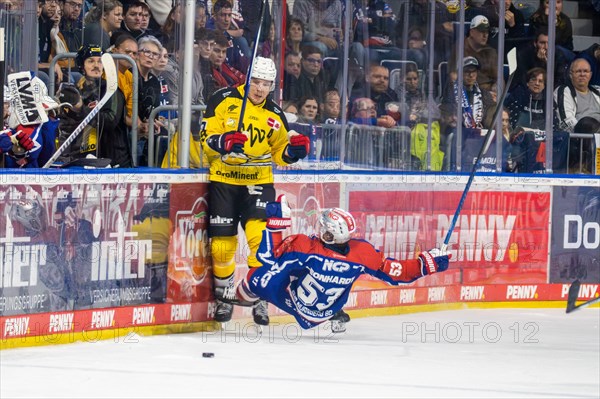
x: 313, y: 79
x: 241, y: 157
x: 578, y: 109
x: 149, y: 51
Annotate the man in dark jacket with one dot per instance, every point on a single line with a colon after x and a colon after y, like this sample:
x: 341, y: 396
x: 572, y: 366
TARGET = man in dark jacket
x: 106, y: 135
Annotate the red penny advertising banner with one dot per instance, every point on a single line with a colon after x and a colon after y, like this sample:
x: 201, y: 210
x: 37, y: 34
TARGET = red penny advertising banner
x: 496, y: 235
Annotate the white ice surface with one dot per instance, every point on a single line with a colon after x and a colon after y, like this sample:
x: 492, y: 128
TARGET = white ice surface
x: 516, y: 353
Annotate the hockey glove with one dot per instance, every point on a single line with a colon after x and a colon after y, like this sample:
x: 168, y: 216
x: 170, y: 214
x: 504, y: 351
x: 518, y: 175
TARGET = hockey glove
x: 298, y: 146
x: 434, y: 260
x: 228, y: 142
x: 278, y: 214
x: 22, y: 138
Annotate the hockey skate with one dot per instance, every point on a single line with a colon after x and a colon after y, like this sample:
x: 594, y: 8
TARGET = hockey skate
x: 338, y: 322
x: 260, y: 313
x: 223, y: 312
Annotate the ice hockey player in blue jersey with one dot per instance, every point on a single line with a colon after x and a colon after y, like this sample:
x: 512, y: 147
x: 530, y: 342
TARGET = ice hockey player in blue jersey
x: 311, y: 277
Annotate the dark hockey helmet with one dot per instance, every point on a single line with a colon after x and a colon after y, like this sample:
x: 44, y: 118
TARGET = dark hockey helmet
x: 336, y: 226
x: 30, y: 214
x: 85, y: 52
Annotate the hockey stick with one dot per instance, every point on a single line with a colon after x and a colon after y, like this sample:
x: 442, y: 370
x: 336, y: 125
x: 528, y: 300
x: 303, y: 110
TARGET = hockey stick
x: 248, y: 76
x: 110, y: 73
x: 512, y: 66
x: 572, y: 298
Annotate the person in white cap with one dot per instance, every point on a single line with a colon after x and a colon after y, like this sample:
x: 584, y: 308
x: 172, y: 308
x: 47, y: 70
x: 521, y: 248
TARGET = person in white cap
x: 476, y: 45
x: 241, y: 172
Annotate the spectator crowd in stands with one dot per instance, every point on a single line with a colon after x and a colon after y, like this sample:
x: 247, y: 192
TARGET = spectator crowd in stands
x: 388, y: 62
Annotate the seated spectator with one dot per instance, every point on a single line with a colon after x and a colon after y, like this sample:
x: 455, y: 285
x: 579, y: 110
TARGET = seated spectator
x: 564, y: 27
x: 291, y: 73
x: 330, y: 108
x: 268, y: 47
x: 577, y: 99
x: 578, y: 109
x: 313, y: 80
x: 308, y: 109
x: 414, y: 103
x: 249, y: 18
x: 223, y: 74
x: 476, y: 45
x: 71, y: 25
x: 364, y: 112
x: 294, y: 36
x: 206, y: 43
x: 290, y: 109
x: 379, y: 24
x: 514, y: 23
x: 322, y: 21
x: 592, y: 55
x: 101, y: 21
x: 377, y: 87
x: 239, y: 52
x: 476, y: 103
x: 534, y: 54
x: 201, y: 15
x: 526, y: 104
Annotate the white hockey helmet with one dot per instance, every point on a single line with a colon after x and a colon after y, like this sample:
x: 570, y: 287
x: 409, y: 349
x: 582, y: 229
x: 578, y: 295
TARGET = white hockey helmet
x: 264, y: 68
x: 336, y: 226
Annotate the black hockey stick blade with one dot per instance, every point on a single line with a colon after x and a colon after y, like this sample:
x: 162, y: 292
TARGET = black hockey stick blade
x: 574, y: 294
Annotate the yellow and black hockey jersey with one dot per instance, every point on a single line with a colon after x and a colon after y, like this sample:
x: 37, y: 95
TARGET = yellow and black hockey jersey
x: 267, y: 131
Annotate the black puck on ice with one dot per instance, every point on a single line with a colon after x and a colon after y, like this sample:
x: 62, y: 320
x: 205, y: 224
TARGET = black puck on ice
x: 208, y: 354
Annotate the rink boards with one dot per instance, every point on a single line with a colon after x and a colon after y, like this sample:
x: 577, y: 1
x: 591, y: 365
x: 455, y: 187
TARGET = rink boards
x: 128, y: 252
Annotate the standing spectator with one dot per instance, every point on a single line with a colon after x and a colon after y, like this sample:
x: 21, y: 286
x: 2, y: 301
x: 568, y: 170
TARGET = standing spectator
x: 564, y: 27
x: 535, y: 55
x: 132, y: 19
x: 308, y: 109
x: 71, y: 24
x: 149, y: 91
x: 526, y: 104
x: 171, y: 28
x: 127, y: 45
x: 48, y: 19
x: 101, y: 21
x: 236, y: 197
x: 476, y: 45
x: 106, y: 135
x: 476, y: 103
x: 378, y: 87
